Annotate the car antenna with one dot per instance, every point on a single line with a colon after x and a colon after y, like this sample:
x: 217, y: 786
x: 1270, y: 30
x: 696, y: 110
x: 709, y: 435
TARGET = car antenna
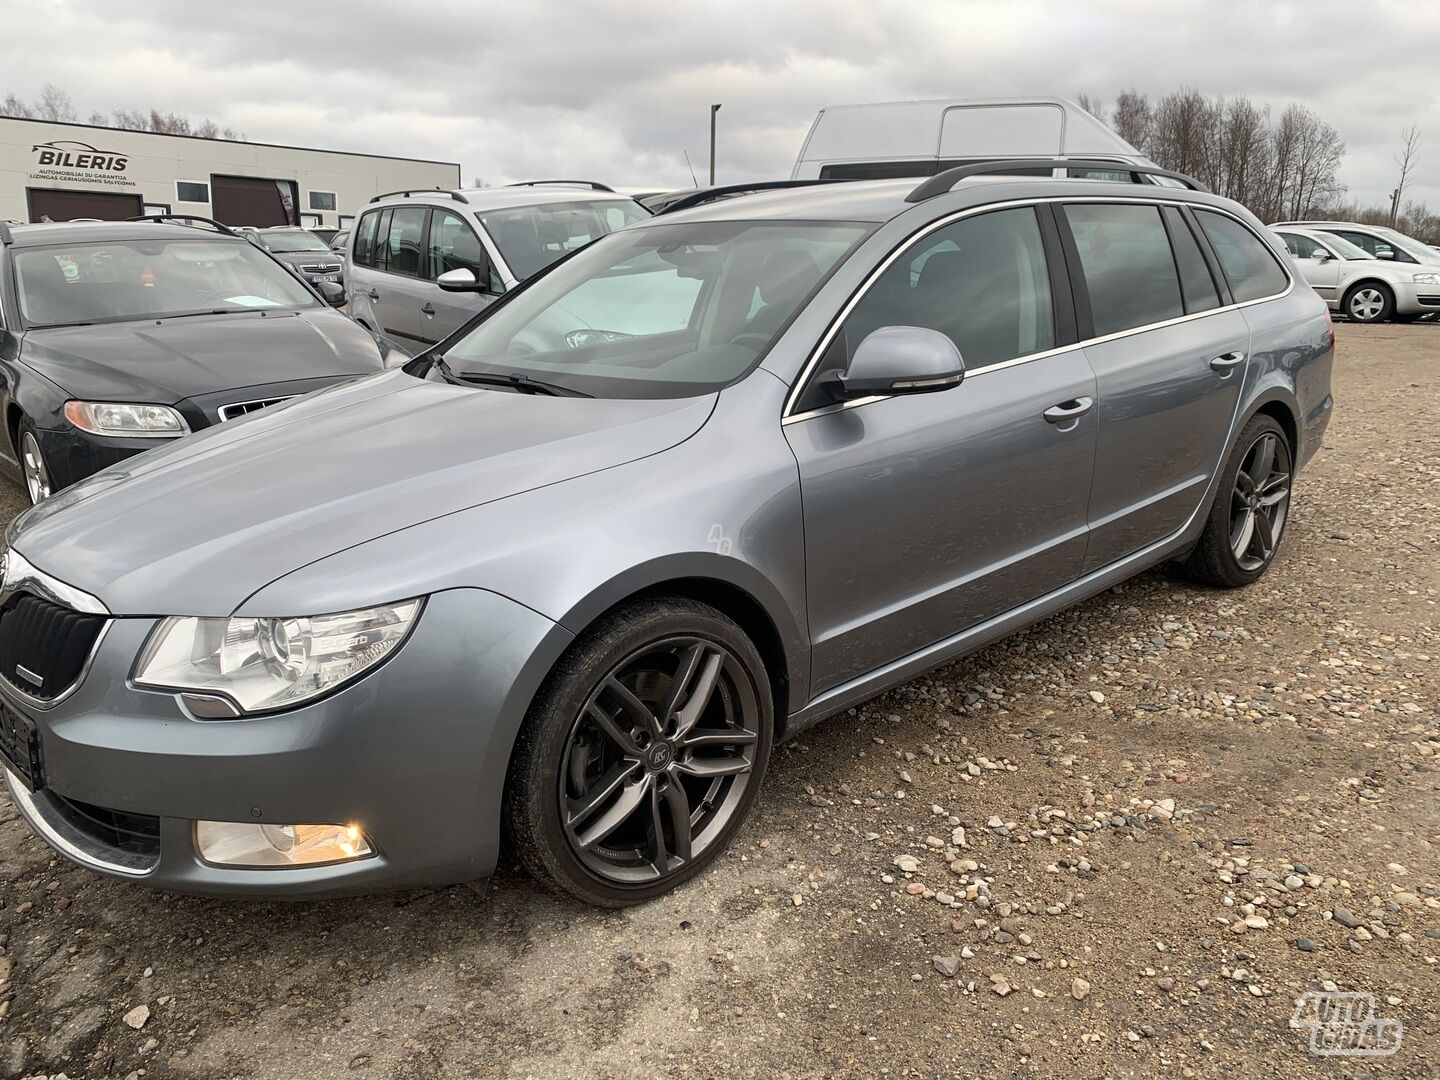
x: 693, y: 181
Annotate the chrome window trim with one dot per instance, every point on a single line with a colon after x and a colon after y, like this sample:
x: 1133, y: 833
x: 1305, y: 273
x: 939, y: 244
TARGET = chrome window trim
x: 788, y: 416
x: 19, y: 575
x: 42, y: 704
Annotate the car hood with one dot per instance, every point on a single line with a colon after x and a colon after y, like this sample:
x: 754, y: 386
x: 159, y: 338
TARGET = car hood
x: 197, y: 526
x: 166, y: 361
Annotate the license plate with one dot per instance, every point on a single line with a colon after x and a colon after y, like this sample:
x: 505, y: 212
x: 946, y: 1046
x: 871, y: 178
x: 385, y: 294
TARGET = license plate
x: 326, y: 277
x: 20, y: 746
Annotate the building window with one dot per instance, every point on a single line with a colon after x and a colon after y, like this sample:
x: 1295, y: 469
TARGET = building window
x: 322, y: 200
x: 192, y: 191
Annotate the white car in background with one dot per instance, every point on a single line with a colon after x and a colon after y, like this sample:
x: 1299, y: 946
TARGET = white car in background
x: 1352, y: 281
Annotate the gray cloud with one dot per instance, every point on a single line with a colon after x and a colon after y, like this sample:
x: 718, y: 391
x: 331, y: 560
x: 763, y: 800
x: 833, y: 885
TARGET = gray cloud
x: 618, y: 90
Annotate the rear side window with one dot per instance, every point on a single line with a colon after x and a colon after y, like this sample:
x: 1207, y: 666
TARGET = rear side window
x: 1250, y: 266
x: 363, y: 253
x: 982, y: 281
x: 1128, y: 267
x: 1196, y: 284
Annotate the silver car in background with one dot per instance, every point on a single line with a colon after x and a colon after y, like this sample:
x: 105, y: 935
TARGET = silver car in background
x: 419, y: 264
x: 713, y: 478
x: 1354, y: 282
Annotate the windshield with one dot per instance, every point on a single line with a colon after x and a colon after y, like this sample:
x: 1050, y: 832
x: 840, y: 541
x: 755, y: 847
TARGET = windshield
x: 63, y: 285
x: 1408, y: 243
x: 667, y: 311
x: 530, y: 238
x: 299, y: 240
x: 1342, y: 247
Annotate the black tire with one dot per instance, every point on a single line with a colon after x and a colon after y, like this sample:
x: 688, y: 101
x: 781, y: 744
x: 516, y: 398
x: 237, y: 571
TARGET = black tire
x: 31, y: 458
x: 564, y: 756
x: 1378, y: 305
x: 1215, y: 560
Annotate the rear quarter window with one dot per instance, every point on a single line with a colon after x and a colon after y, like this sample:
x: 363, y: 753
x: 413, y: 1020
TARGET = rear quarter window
x: 1253, y: 270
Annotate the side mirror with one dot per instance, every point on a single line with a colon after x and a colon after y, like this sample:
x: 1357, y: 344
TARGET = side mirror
x: 1321, y: 255
x: 900, y: 360
x: 332, y: 292
x: 461, y: 280
x: 1386, y: 254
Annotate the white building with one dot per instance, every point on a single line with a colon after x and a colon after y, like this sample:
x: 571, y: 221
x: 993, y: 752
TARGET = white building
x: 64, y: 171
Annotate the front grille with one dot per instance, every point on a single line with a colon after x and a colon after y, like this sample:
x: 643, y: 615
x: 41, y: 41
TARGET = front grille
x: 328, y: 268
x: 237, y: 409
x: 116, y: 830
x: 44, y: 647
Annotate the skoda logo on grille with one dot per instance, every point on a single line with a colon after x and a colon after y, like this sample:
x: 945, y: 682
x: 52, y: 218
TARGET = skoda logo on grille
x: 37, y: 681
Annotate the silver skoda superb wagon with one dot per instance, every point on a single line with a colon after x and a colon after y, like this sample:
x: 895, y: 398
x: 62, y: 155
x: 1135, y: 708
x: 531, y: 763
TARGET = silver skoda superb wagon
x: 568, y: 577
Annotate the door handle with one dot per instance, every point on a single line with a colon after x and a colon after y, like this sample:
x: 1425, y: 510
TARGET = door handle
x: 1070, y: 410
x: 374, y: 294
x: 1227, y: 362
x: 428, y: 308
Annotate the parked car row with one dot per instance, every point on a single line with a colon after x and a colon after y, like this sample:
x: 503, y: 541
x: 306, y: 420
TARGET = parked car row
x: 667, y: 491
x: 1369, y: 272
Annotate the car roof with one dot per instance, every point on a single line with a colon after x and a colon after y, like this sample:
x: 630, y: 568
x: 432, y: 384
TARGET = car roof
x: 502, y: 198
x: 882, y: 200
x: 60, y: 232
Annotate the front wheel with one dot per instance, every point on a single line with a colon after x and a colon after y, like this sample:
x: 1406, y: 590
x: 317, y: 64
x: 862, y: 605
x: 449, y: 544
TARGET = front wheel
x: 1369, y: 302
x: 1250, y: 509
x: 33, y: 468
x: 642, y: 754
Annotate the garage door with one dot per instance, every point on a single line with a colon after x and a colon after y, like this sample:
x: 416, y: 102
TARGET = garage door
x: 249, y: 200
x: 69, y: 205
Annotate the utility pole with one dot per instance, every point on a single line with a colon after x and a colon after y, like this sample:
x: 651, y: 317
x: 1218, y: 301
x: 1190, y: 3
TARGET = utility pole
x: 713, y: 110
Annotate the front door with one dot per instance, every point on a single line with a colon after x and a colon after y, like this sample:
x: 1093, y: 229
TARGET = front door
x: 1318, y: 265
x: 927, y: 514
x: 453, y: 245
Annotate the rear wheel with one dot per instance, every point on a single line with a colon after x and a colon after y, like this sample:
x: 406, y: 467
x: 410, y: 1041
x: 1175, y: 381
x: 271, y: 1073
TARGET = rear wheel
x: 642, y: 755
x: 33, y: 468
x: 1250, y: 509
x: 1369, y: 302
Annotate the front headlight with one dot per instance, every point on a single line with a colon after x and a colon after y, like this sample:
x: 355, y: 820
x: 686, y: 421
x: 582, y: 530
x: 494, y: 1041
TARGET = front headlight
x: 1426, y: 279
x: 126, y: 421
x: 267, y: 664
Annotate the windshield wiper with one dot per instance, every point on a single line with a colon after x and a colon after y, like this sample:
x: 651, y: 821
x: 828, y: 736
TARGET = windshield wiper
x: 523, y: 384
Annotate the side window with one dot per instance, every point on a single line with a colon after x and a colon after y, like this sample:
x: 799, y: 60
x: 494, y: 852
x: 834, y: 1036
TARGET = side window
x: 363, y: 250
x: 1302, y: 247
x: 1127, y: 263
x: 1197, y: 287
x: 401, y: 242
x: 981, y: 281
x: 453, y: 245
x: 1250, y: 266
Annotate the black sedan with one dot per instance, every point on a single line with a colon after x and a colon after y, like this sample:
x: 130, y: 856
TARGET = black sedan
x: 120, y: 335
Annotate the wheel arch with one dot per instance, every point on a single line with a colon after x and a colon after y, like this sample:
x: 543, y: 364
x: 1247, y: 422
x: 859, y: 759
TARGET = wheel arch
x: 731, y: 586
x: 1358, y: 283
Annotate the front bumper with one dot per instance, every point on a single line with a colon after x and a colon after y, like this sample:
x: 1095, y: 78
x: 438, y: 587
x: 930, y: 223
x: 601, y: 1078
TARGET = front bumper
x: 1413, y: 299
x: 71, y: 454
x: 415, y: 753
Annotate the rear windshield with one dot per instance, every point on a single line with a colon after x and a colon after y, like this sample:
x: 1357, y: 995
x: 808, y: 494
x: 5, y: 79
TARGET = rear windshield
x: 67, y: 285
x: 299, y: 240
x: 530, y: 238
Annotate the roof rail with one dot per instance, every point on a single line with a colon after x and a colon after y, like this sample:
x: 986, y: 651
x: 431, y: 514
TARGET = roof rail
x: 185, y: 219
x: 942, y: 182
x: 725, y: 191
x: 421, y: 191
x: 593, y: 185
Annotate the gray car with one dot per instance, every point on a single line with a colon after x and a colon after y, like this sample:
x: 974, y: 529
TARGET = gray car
x: 301, y: 250
x: 706, y: 482
x: 421, y: 263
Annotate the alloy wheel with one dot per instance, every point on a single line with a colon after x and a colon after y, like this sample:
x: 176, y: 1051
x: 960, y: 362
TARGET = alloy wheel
x: 1366, y: 304
x: 1259, y: 501
x: 32, y: 464
x: 658, y: 761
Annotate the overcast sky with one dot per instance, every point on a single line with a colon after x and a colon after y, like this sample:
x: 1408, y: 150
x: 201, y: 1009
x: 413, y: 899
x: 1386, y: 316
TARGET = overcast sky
x: 616, y: 91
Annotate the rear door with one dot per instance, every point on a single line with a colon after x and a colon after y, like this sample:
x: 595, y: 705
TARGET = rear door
x: 927, y: 514
x: 1169, y: 355
x: 394, y: 287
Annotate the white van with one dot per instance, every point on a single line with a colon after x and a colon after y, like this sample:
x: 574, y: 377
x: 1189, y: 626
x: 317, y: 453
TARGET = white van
x: 920, y: 138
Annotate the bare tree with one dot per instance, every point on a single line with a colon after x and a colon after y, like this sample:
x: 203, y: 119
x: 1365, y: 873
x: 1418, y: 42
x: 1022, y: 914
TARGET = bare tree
x: 1131, y: 118
x: 1094, y: 106
x: 54, y: 104
x: 1408, y: 158
x: 1183, y: 135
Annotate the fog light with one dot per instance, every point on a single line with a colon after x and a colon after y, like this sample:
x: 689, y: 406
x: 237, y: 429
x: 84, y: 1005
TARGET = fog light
x: 236, y: 843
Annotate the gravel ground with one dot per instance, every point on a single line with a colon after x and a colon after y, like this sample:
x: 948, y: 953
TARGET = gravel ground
x: 1120, y: 844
